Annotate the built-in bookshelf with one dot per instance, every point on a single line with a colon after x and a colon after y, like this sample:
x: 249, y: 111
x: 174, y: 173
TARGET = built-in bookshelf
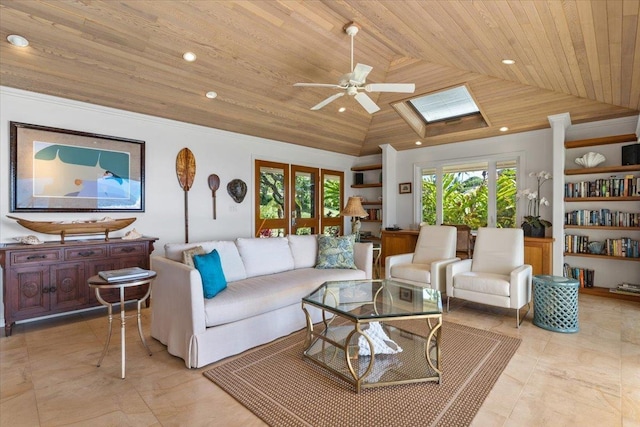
x: 370, y: 177
x: 602, y: 204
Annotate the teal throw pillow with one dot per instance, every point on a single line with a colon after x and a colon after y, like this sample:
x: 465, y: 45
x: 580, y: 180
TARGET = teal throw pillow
x: 210, y: 268
x: 336, y: 252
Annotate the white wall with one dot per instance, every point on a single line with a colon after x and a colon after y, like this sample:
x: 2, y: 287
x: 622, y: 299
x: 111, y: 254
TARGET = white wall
x: 533, y: 147
x: 229, y: 155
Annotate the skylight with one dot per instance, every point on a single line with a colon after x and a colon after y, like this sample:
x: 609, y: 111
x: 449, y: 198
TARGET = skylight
x: 445, y: 105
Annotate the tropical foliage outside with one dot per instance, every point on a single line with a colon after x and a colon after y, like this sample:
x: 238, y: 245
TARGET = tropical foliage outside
x: 465, y: 199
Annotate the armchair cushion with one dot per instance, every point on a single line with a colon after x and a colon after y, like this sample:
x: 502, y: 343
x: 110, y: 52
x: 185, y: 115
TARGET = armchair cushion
x: 498, y: 250
x: 486, y: 283
x: 435, y: 243
x: 414, y: 272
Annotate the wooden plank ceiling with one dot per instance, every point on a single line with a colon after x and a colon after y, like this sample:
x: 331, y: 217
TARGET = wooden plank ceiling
x: 572, y: 55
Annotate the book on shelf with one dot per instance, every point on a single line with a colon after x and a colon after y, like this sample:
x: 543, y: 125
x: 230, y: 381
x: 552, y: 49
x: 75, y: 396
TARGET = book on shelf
x: 585, y: 276
x: 123, y: 274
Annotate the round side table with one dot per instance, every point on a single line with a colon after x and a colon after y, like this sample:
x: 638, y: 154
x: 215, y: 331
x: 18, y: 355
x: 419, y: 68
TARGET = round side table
x: 555, y: 303
x: 98, y: 283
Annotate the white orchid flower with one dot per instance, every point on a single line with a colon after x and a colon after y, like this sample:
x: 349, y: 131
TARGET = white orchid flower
x: 544, y: 201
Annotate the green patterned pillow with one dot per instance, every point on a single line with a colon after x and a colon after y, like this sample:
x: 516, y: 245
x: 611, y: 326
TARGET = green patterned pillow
x: 336, y: 252
x: 187, y: 256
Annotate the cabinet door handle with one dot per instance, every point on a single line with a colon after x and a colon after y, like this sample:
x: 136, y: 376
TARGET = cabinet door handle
x: 30, y: 257
x: 86, y: 253
x: 52, y: 289
x: 45, y: 290
x: 128, y: 249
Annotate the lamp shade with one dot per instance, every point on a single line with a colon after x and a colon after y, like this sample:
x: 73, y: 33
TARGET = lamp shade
x: 354, y: 208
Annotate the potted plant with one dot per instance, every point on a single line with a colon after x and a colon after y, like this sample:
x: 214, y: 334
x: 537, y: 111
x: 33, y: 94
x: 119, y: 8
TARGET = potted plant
x: 532, y: 224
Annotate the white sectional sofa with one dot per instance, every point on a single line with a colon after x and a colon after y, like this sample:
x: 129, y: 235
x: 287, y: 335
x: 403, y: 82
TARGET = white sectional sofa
x: 267, y: 279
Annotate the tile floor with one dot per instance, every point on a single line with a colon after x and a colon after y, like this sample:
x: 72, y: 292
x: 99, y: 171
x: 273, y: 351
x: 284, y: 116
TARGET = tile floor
x: 48, y: 375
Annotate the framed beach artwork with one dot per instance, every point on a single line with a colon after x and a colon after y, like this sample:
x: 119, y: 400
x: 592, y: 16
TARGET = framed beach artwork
x: 59, y: 170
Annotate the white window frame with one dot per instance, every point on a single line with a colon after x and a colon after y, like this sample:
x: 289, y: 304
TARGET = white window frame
x: 491, y: 160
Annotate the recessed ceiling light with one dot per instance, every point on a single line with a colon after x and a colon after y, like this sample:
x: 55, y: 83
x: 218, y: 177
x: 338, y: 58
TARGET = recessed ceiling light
x: 508, y: 61
x: 504, y: 129
x: 189, y: 56
x: 342, y: 110
x: 418, y: 142
x: 211, y: 94
x: 17, y: 40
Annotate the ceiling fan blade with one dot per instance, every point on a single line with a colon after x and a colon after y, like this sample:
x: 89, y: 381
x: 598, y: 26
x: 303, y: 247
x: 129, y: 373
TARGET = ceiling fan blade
x: 366, y: 102
x: 317, y: 85
x: 327, y: 101
x: 360, y: 73
x: 391, y: 87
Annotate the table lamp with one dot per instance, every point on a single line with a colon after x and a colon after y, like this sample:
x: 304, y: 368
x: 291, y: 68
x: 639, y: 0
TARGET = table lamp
x: 355, y: 210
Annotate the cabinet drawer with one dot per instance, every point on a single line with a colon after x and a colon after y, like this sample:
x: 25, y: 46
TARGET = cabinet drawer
x: 34, y: 257
x: 126, y: 250
x: 91, y: 252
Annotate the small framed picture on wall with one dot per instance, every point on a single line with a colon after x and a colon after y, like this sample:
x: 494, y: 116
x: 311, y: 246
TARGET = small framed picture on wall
x: 405, y: 188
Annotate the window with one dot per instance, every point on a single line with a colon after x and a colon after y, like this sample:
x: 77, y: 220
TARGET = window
x: 292, y: 206
x: 445, y: 105
x: 478, y: 194
x: 446, y: 111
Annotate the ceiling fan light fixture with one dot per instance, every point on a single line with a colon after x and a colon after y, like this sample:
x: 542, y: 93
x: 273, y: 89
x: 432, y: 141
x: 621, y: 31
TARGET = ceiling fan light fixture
x: 189, y: 56
x: 17, y: 41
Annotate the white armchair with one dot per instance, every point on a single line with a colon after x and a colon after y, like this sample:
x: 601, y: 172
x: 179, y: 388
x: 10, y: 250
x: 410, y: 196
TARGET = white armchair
x: 426, y: 266
x: 497, y: 274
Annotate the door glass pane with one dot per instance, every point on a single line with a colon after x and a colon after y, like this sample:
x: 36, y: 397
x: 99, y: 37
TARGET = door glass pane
x: 332, y: 230
x: 272, y: 193
x: 272, y: 232
x: 331, y: 208
x: 506, y: 189
x: 304, y: 231
x: 305, y: 195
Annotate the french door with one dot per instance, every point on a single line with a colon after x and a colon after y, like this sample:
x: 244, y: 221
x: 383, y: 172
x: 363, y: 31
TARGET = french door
x: 293, y: 199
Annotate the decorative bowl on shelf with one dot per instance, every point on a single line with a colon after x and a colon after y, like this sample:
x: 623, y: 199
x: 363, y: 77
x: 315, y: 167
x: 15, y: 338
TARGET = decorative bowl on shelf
x: 590, y: 160
x: 596, y: 248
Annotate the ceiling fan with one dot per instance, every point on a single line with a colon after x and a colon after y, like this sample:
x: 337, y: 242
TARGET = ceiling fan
x: 353, y: 83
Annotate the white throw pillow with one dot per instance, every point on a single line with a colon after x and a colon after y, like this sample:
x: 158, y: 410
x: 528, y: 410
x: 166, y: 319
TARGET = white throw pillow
x: 265, y: 256
x: 304, y: 250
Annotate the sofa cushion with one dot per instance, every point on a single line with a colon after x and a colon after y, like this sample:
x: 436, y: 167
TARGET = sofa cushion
x: 265, y: 256
x: 336, y: 252
x: 210, y: 268
x: 187, y: 256
x: 304, y: 250
x: 232, y: 264
x: 261, y: 294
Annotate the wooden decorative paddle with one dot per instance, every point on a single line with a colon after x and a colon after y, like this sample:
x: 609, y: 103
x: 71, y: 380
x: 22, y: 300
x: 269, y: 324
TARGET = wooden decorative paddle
x: 214, y: 184
x: 186, y: 171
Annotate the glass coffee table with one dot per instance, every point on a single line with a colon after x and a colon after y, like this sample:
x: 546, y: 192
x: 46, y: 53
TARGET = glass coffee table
x: 375, y: 332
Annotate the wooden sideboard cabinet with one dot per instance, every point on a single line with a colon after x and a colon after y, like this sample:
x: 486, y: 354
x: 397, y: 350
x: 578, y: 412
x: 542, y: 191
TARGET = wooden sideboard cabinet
x: 39, y: 280
x: 538, y: 251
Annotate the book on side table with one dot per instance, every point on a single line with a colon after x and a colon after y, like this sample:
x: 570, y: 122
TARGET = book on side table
x: 123, y: 274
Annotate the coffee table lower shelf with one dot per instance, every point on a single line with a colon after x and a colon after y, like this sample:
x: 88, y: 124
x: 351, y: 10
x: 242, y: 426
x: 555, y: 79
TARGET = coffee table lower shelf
x: 418, y: 362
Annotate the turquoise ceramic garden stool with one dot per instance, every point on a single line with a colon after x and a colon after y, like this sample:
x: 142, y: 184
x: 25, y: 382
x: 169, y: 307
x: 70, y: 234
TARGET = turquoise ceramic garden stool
x: 555, y: 303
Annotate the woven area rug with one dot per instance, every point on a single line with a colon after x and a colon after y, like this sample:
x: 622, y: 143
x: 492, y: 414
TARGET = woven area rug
x: 283, y: 389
